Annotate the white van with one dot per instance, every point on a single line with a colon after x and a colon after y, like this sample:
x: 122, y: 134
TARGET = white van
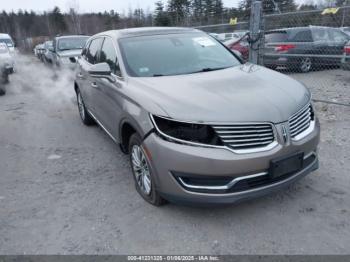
x: 6, y: 39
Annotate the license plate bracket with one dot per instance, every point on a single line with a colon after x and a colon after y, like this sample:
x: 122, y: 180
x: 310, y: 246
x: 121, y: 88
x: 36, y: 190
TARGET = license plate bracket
x: 286, y: 165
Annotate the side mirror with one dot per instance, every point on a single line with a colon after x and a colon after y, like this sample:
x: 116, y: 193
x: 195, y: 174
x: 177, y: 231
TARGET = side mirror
x: 101, y: 70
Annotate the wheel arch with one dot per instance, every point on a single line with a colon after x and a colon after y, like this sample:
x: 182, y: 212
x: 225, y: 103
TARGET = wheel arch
x: 76, y: 86
x: 127, y: 127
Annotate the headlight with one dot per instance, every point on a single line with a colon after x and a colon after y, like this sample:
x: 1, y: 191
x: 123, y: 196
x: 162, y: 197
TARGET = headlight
x: 183, y: 132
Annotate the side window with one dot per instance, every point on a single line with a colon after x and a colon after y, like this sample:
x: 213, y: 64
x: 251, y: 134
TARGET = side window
x: 320, y: 34
x: 303, y: 36
x: 92, y: 54
x: 84, y: 52
x: 337, y: 35
x: 109, y: 55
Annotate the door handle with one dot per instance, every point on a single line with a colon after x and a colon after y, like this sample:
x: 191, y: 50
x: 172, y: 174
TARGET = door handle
x: 80, y: 75
x: 94, y: 85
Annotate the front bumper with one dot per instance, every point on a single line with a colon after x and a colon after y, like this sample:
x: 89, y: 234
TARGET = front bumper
x: 169, y: 159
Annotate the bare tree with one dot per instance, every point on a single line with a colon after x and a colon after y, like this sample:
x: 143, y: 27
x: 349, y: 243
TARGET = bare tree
x: 74, y: 17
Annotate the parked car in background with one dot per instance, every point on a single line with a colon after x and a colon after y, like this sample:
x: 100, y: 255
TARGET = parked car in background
x: 149, y: 89
x: 6, y: 39
x: 304, y: 48
x: 345, y: 62
x: 67, y: 49
x: 48, y: 54
x: 6, y: 67
x: 6, y: 58
x: 39, y: 50
x: 239, y: 44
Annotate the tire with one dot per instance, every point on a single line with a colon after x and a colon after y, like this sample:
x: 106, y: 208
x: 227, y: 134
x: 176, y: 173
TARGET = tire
x: 84, y: 114
x: 142, y: 173
x: 2, y: 90
x: 305, y: 65
x: 4, y: 79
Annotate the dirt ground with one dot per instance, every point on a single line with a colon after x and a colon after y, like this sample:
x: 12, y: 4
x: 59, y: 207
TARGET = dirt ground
x: 67, y: 189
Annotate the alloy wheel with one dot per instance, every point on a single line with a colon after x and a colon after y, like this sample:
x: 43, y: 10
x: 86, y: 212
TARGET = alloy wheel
x: 141, y: 170
x: 306, y: 64
x: 81, y: 107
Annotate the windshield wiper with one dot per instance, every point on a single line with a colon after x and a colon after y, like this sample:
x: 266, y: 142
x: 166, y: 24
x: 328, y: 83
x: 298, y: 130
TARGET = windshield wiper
x: 65, y: 49
x: 209, y: 69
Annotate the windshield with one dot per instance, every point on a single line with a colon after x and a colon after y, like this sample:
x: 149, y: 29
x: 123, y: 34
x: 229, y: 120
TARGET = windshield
x: 48, y: 44
x: 71, y: 43
x: 7, y: 41
x: 176, y: 54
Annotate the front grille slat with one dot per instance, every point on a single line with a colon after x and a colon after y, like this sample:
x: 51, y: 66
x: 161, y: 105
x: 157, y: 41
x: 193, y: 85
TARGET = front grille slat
x: 298, y: 114
x: 243, y: 131
x: 300, y: 129
x: 297, y: 120
x: 252, y: 145
x: 243, y: 127
x: 246, y: 136
x: 249, y: 139
x: 300, y: 121
x: 301, y: 124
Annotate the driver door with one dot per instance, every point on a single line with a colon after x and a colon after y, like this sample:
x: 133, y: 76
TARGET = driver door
x: 108, y: 94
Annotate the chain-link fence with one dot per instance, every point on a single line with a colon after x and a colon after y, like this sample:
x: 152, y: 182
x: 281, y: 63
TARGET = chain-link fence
x: 312, y: 46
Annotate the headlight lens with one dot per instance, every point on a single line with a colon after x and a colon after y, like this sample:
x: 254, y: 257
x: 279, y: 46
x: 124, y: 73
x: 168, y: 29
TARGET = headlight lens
x: 186, y: 132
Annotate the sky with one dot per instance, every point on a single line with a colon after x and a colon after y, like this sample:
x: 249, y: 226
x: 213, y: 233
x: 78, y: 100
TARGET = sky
x: 87, y: 5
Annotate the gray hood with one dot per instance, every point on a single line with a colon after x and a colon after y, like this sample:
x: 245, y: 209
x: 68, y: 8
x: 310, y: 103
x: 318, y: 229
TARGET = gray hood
x: 246, y: 93
x: 70, y: 53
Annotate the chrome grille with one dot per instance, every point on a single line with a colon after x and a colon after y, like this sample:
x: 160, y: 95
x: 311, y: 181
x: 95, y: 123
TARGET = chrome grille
x: 300, y: 121
x: 245, y: 136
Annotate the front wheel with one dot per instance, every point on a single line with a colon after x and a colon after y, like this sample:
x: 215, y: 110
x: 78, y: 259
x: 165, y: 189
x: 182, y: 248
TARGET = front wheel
x: 142, y: 173
x: 84, y: 114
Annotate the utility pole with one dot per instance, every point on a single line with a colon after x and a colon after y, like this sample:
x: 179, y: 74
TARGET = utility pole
x: 255, y: 31
x: 344, y: 11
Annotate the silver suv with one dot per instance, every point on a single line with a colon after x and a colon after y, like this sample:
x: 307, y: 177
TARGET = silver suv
x: 65, y: 50
x: 199, y: 125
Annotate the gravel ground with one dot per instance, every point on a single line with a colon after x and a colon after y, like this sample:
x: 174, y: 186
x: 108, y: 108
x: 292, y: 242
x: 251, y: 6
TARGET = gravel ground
x: 67, y: 189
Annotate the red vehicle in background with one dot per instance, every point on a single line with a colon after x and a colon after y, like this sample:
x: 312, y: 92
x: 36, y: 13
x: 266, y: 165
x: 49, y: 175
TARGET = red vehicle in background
x: 239, y: 45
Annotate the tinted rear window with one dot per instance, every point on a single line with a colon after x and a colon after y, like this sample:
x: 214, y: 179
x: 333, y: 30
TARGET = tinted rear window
x: 297, y: 35
x: 301, y: 36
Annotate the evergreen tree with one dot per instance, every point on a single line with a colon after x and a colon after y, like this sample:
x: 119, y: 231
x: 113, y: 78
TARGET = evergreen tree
x: 179, y: 11
x: 160, y: 15
x: 57, y: 20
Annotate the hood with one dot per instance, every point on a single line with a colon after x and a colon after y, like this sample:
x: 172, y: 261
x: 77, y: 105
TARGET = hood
x: 70, y: 53
x: 246, y: 93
